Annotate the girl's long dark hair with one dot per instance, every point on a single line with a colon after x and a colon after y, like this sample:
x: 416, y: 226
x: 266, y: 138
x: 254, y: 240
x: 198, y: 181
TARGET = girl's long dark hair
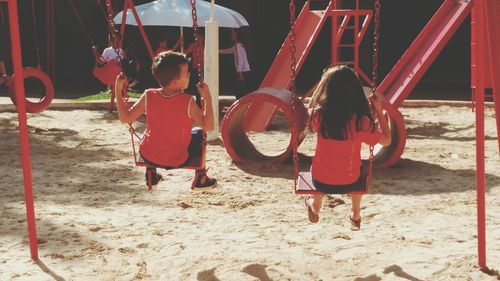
x: 338, y: 97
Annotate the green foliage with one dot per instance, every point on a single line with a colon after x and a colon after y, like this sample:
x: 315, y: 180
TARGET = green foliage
x: 106, y: 95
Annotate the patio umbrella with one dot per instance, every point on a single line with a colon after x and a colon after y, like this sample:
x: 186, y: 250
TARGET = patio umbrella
x: 178, y: 13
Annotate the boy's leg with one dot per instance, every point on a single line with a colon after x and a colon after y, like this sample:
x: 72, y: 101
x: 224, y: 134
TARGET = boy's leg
x: 152, y: 177
x: 197, y: 147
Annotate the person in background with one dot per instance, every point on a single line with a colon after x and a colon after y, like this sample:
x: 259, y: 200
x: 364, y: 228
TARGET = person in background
x: 241, y: 65
x: 163, y: 45
x: 113, y: 52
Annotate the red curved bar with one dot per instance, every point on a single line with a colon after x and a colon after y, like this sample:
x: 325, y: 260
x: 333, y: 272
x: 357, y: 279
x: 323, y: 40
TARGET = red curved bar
x: 237, y: 144
x: 48, y: 95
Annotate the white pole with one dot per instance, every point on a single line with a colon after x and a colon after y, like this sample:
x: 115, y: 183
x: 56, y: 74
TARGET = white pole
x: 211, y: 70
x: 212, y: 10
x: 182, y: 35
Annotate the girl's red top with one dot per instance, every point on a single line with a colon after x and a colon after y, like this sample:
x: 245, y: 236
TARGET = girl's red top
x: 338, y: 161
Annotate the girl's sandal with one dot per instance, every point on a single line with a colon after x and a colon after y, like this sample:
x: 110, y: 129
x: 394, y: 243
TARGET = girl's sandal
x: 313, y: 217
x: 355, y: 224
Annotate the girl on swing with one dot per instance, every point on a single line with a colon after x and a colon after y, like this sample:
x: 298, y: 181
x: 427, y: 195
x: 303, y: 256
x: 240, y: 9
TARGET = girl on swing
x: 340, y: 114
x: 169, y: 139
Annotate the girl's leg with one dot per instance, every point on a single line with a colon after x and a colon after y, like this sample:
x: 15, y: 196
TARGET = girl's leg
x: 356, y: 207
x: 318, y: 201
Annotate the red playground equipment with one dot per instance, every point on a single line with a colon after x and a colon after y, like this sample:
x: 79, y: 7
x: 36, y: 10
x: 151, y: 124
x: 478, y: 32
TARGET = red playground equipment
x: 32, y: 73
x: 255, y: 111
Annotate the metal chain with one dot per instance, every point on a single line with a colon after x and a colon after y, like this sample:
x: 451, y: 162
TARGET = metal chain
x: 197, y: 40
x: 293, y: 87
x: 35, y: 33
x: 112, y: 28
x: 376, y: 35
x: 2, y: 15
x: 82, y: 23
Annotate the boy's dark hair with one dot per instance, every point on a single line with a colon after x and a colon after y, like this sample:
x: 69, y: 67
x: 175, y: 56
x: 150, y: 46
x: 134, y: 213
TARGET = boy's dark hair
x: 166, y: 66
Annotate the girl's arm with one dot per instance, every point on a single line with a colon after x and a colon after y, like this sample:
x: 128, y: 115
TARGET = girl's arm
x: 204, y: 118
x: 126, y: 114
x: 376, y: 101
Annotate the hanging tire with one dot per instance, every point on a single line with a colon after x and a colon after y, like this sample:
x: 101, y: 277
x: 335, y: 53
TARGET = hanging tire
x: 237, y: 143
x: 48, y: 94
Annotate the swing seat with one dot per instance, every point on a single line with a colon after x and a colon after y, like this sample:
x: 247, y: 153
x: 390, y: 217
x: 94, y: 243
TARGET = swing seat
x: 193, y: 164
x: 107, y: 73
x: 305, y: 185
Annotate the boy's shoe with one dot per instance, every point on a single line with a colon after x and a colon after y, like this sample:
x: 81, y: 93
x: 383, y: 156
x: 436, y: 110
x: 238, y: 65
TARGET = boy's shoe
x: 155, y: 179
x: 203, y: 182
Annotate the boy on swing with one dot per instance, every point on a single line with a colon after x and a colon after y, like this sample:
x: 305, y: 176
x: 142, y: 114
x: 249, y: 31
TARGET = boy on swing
x: 169, y: 139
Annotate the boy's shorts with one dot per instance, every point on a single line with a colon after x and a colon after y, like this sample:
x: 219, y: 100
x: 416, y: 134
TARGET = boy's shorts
x: 194, y: 148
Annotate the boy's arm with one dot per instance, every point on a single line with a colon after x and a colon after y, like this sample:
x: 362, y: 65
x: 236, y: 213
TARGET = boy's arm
x: 126, y: 114
x: 204, y: 118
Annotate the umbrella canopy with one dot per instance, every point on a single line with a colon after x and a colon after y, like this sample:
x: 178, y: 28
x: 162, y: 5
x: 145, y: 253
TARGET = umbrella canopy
x: 178, y: 13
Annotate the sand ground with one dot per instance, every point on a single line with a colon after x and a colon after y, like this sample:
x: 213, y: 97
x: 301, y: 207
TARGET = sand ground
x: 97, y: 221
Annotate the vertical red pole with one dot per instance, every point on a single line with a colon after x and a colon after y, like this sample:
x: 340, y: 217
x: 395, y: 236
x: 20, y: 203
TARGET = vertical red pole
x: 23, y: 126
x: 478, y: 34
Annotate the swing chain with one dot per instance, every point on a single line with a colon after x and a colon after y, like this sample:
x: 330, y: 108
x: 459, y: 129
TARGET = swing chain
x: 293, y: 49
x: 2, y: 15
x: 293, y: 76
x: 82, y: 23
x: 112, y: 28
x: 197, y: 40
x: 35, y: 32
x: 376, y: 35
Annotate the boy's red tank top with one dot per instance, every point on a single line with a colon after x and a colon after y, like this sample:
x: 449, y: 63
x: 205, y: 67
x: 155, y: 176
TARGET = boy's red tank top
x: 168, y: 128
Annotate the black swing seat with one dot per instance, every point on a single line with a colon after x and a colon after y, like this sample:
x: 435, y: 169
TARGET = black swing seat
x: 305, y: 185
x: 193, y: 164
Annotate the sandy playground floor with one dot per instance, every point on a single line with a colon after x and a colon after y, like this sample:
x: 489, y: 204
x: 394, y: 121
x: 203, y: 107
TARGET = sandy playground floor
x: 97, y: 221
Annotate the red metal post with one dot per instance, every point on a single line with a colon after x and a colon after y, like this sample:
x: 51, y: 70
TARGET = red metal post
x: 131, y: 6
x: 478, y: 57
x: 23, y: 126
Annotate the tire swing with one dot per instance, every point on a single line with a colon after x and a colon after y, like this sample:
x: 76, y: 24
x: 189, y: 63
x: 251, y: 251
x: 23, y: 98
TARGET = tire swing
x: 33, y: 73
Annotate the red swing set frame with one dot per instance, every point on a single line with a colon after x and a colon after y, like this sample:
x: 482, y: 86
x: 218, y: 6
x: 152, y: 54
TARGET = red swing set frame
x: 485, y: 63
x: 35, y: 73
